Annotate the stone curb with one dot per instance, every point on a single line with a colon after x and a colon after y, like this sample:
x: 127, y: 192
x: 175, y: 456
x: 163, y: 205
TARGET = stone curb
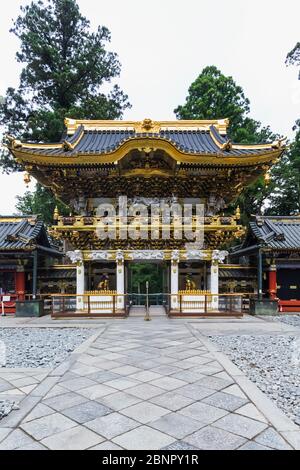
x: 284, y: 425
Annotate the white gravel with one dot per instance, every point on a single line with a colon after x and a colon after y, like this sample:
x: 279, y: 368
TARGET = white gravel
x: 293, y: 320
x: 272, y: 362
x: 6, y: 407
x: 40, y: 347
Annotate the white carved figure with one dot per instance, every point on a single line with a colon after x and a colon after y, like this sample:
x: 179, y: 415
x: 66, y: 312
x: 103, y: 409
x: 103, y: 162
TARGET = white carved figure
x: 218, y: 255
x: 175, y: 256
x: 75, y: 256
x: 98, y: 255
x: 120, y: 256
x: 147, y: 254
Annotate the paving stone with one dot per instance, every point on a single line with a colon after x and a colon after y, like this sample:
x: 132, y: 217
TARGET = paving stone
x: 206, y: 414
x: 103, y: 376
x: 24, y: 381
x: 86, y: 411
x: 188, y: 376
x: 234, y: 390
x: 96, y: 391
x: 77, y: 384
x: 172, y: 401
x: 106, y: 445
x: 64, y: 401
x: 251, y: 411
x: 145, y: 412
x: 224, y: 375
x: 214, y: 383
x: 48, y: 425
x: 112, y: 425
x: 121, y: 383
x: 38, y: 412
x: 166, y: 370
x: 176, y: 425
x: 126, y: 370
x: 271, y: 438
x: 194, y: 391
x: 168, y: 383
x: 118, y: 401
x: 4, y: 432
x: 211, y: 438
x: 84, y: 370
x: 25, y: 406
x: 33, y: 446
x: 55, y: 391
x: 145, y: 376
x: 143, y: 438
x: 251, y: 445
x: 44, y: 387
x: 240, y: 425
x: 77, y: 438
x: 145, y: 391
x: 179, y: 445
x: 16, y: 439
x: 225, y: 401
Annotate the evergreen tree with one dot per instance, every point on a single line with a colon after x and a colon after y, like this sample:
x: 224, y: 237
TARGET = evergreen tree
x: 215, y: 96
x: 65, y: 66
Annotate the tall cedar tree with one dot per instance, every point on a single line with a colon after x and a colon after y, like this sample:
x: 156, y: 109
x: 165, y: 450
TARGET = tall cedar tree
x: 213, y: 95
x: 65, y: 66
x: 285, y: 199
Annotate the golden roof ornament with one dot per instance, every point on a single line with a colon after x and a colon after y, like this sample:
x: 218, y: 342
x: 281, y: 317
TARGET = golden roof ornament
x: 56, y: 214
x: 279, y: 144
x: 147, y: 125
x: 27, y: 179
x: 238, y: 213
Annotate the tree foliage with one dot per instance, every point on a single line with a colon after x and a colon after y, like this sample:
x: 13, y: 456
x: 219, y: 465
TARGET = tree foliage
x: 65, y: 69
x: 215, y: 96
x: 40, y: 202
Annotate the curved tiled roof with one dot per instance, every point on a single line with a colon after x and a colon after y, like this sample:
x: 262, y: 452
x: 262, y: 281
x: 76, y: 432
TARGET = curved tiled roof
x: 192, y: 141
x: 22, y: 233
x: 282, y: 233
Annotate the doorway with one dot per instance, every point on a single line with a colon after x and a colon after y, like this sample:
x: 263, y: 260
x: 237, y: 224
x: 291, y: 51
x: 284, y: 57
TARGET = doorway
x: 157, y: 276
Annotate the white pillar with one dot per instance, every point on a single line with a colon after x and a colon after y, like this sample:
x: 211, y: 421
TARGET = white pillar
x: 120, y: 283
x: 174, y: 284
x: 80, y: 285
x: 214, y: 284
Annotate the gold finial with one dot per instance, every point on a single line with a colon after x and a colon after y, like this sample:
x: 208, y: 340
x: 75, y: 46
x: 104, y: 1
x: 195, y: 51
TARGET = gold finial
x: 238, y: 213
x: 56, y: 214
x: 267, y: 178
x: 27, y: 179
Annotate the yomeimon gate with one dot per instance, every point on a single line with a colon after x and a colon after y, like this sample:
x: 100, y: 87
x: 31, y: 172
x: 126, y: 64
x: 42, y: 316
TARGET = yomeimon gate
x: 181, y: 162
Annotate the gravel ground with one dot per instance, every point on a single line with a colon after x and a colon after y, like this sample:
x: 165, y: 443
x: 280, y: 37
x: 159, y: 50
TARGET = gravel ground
x: 293, y: 320
x: 6, y: 407
x: 272, y: 362
x: 39, y: 347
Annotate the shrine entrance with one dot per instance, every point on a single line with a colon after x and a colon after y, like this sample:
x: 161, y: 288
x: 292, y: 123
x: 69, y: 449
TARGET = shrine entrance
x: 157, y: 276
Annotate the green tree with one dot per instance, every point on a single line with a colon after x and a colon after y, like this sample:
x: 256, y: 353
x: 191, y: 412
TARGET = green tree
x: 285, y: 196
x: 40, y: 202
x: 215, y: 96
x: 65, y: 66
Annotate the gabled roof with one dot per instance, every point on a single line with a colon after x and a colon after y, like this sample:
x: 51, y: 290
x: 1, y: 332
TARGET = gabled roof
x: 278, y: 233
x: 109, y: 139
x: 24, y: 234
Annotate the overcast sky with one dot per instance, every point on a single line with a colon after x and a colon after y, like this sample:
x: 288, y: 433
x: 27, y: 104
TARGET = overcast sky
x: 164, y: 44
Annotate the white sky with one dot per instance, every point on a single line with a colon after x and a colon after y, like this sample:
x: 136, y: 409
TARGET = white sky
x: 164, y: 44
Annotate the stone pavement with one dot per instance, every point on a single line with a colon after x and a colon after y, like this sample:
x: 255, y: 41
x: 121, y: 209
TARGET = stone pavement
x: 147, y: 385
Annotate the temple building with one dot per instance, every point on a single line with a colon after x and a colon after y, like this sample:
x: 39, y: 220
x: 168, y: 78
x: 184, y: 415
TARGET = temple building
x: 273, y: 245
x: 100, y: 168
x: 25, y: 251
